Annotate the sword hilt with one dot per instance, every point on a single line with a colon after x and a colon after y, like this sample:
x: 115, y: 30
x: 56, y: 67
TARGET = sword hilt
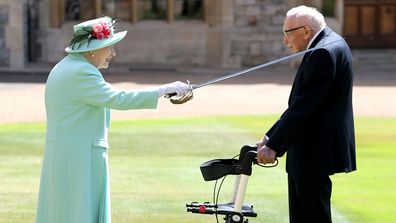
x: 171, y: 95
x: 193, y: 86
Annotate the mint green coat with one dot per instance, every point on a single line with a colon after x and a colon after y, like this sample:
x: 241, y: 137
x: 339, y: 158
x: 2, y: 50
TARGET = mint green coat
x: 74, y: 185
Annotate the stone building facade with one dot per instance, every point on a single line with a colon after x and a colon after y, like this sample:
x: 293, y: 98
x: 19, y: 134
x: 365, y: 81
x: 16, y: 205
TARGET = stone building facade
x: 234, y: 33
x: 4, y: 51
x: 230, y: 33
x: 13, y: 33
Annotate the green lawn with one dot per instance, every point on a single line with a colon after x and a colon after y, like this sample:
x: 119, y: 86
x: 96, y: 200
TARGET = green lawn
x: 154, y: 167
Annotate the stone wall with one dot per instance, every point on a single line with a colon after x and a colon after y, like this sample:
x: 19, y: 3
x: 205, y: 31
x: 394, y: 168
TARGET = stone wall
x: 149, y: 42
x: 236, y: 33
x: 4, y: 51
x: 242, y: 33
x: 257, y: 35
x: 179, y: 43
x: 13, y: 37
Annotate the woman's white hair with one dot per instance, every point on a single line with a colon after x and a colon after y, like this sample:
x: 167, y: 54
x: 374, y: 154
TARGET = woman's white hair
x: 310, y: 15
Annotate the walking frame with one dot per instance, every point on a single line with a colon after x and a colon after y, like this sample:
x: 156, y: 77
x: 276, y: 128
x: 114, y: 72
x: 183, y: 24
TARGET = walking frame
x: 235, y: 211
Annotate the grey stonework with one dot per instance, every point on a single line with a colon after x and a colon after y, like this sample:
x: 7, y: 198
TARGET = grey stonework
x: 245, y: 33
x: 4, y: 57
x: 4, y: 52
x: 236, y: 33
x: 258, y: 30
x: 4, y: 9
x: 13, y: 44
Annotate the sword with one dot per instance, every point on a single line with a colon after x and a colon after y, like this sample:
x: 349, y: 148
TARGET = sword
x: 239, y: 73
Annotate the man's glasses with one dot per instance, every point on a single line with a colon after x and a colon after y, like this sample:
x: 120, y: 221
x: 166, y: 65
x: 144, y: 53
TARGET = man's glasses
x: 285, y: 32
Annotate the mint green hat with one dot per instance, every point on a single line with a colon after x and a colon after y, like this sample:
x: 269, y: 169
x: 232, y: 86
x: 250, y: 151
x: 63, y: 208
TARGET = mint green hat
x: 94, y: 34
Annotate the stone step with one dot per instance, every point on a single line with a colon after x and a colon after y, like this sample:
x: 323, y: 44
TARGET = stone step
x: 384, y: 59
x: 389, y: 66
x: 374, y: 54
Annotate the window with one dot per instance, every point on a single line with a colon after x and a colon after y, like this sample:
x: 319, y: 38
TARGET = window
x: 152, y: 9
x: 72, y: 10
x: 130, y: 10
x: 188, y: 9
x: 79, y: 10
x: 120, y: 9
x: 328, y: 8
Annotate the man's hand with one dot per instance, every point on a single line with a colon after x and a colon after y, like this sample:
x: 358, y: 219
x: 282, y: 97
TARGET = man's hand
x: 266, y: 155
x: 262, y: 142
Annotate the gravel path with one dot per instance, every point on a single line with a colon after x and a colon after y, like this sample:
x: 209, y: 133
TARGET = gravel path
x: 21, y: 96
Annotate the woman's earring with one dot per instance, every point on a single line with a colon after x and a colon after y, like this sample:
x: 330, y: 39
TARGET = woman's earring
x: 92, y: 55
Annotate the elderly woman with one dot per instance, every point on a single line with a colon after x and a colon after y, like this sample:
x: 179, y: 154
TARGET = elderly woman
x: 74, y: 184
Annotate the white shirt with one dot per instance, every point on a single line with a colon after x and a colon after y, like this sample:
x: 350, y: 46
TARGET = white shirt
x: 314, y: 37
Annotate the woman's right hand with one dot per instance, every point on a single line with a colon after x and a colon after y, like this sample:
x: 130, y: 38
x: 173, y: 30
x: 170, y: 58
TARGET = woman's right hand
x: 179, y: 88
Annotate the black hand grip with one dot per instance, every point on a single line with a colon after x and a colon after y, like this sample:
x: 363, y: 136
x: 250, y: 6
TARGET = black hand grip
x: 171, y: 95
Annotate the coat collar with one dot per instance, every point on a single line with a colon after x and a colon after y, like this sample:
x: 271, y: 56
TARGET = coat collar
x: 325, y: 32
x: 78, y: 56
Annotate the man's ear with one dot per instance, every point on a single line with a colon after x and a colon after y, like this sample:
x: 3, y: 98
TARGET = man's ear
x: 308, y: 33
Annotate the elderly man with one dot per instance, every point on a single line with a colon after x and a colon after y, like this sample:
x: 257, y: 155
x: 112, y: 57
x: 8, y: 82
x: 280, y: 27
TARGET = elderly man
x: 317, y: 128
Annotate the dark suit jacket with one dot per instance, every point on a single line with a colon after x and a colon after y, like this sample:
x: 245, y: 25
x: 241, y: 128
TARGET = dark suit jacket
x: 317, y: 129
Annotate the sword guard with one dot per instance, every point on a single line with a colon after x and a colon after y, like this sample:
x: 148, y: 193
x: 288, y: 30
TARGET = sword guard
x: 187, y: 97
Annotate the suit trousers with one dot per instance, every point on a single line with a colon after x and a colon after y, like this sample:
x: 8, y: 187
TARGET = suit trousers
x: 309, y: 200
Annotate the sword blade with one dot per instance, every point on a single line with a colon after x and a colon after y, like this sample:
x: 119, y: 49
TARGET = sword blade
x: 228, y: 76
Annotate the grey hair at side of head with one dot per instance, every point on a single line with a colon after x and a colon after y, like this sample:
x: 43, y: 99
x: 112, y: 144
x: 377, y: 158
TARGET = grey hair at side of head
x: 311, y: 15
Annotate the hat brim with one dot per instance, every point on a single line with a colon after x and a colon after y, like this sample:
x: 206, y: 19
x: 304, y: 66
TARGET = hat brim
x: 97, y: 44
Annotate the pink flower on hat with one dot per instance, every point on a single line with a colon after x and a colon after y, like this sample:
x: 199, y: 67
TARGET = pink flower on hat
x: 104, y: 25
x: 101, y: 30
x: 100, y: 36
x: 106, y: 33
x: 97, y: 28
